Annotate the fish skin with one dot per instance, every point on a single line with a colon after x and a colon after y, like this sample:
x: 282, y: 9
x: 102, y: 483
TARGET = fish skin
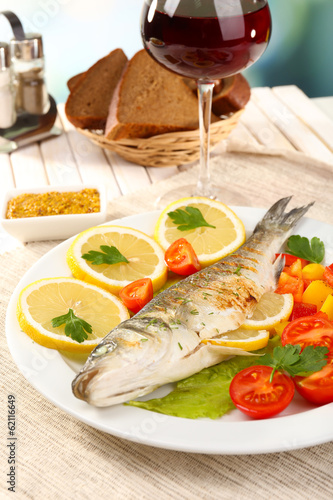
x: 162, y: 343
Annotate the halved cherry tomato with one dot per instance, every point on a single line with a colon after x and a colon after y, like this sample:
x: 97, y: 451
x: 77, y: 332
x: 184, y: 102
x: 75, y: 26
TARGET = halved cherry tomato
x: 137, y: 294
x: 181, y: 258
x: 290, y: 259
x: 328, y: 275
x: 301, y: 309
x: 253, y: 393
x: 316, y: 330
x: 318, y: 387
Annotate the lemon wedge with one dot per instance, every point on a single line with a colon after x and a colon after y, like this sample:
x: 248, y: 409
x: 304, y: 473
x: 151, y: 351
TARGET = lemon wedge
x: 49, y: 298
x: 145, y: 258
x: 210, y: 243
x: 248, y: 340
x: 271, y: 310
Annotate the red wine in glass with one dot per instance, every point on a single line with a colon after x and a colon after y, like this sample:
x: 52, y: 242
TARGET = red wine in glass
x: 205, y: 40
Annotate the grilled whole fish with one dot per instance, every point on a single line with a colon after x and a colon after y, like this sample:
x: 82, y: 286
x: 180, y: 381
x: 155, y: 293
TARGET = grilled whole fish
x: 162, y: 343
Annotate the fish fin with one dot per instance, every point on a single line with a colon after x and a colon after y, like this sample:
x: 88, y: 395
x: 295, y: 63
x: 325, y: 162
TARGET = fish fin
x: 277, y: 217
x: 278, y: 268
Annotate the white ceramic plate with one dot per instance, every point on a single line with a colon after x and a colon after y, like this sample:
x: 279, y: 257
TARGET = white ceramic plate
x: 300, y: 425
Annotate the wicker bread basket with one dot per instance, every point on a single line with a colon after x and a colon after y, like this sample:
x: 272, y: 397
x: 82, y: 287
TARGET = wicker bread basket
x: 174, y: 148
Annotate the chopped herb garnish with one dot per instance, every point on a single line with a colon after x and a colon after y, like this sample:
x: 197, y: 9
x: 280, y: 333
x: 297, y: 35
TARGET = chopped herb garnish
x: 300, y: 246
x: 184, y: 301
x: 188, y: 219
x: 109, y: 255
x: 144, y: 340
x: 180, y: 346
x: 194, y: 311
x: 75, y: 327
x: 238, y: 270
x: 152, y: 322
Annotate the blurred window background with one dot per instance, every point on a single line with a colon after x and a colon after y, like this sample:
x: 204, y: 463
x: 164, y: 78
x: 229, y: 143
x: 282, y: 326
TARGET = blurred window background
x: 77, y: 33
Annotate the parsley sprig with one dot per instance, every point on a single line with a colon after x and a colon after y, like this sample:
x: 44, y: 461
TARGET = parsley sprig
x: 187, y: 219
x: 108, y: 255
x: 290, y: 359
x: 75, y: 327
x: 300, y: 246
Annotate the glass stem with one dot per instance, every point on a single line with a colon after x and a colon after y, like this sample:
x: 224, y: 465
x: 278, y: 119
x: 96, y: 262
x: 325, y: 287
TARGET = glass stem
x: 205, y: 95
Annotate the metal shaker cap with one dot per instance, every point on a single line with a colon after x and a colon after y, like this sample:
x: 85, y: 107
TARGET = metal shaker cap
x: 28, y: 49
x: 4, y: 56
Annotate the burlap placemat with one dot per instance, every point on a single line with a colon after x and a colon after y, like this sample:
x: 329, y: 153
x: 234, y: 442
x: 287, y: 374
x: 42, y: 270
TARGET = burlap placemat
x: 58, y: 457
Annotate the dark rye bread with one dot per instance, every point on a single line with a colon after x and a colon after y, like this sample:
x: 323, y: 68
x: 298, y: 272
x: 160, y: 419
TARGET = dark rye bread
x: 74, y: 80
x: 88, y: 102
x: 231, y: 94
x: 150, y: 100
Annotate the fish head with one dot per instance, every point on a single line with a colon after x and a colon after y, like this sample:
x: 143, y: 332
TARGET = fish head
x: 125, y: 364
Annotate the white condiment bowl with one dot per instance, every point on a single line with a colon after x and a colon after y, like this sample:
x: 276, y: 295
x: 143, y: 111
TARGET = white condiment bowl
x: 51, y: 227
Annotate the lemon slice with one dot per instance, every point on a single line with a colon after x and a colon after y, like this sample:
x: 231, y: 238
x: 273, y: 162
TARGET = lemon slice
x: 271, y: 310
x: 248, y: 340
x: 49, y: 298
x: 145, y: 256
x: 210, y: 244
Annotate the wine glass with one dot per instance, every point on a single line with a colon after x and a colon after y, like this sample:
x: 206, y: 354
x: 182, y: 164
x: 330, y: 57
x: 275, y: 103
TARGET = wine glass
x: 204, y: 40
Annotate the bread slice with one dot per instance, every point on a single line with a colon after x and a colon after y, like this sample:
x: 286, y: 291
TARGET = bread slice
x: 88, y: 103
x: 230, y: 95
x: 150, y: 100
x: 74, y: 80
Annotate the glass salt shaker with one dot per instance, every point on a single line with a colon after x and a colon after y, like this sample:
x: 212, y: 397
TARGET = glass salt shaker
x: 28, y: 66
x: 7, y: 92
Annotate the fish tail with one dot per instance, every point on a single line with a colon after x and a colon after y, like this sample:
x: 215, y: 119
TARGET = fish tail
x: 277, y: 218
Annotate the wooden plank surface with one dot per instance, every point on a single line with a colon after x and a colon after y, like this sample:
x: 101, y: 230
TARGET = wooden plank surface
x: 28, y: 167
x: 294, y: 129
x: 307, y: 111
x: 263, y: 128
x: 130, y: 177
x: 91, y: 160
x: 6, y: 174
x: 60, y: 165
x: 243, y: 133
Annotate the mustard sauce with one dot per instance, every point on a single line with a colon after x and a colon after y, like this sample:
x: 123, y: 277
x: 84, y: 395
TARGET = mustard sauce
x: 53, y: 203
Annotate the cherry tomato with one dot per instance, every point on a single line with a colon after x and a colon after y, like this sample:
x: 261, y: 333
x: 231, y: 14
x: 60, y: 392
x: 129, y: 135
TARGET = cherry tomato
x: 290, y: 259
x: 318, y: 387
x: 316, y: 330
x: 181, y: 258
x: 253, y: 393
x: 137, y: 294
x: 301, y: 309
x: 328, y: 275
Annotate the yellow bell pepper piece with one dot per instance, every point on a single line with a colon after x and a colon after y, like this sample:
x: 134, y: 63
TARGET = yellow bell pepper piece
x: 280, y: 327
x: 316, y: 293
x: 313, y: 272
x: 327, y: 307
